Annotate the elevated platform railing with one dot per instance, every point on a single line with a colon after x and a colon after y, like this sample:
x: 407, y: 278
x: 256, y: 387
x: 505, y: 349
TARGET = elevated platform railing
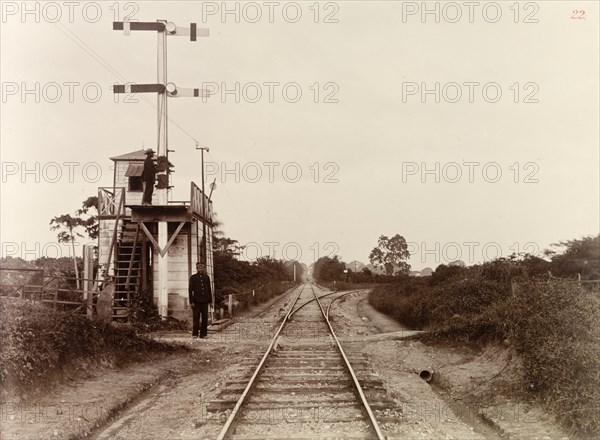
x: 200, y: 205
x: 110, y: 201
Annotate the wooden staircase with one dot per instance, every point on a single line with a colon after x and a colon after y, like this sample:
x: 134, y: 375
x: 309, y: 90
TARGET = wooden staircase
x: 127, y: 269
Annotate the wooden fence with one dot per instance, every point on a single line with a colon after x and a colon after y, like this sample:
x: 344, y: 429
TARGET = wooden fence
x: 34, y: 285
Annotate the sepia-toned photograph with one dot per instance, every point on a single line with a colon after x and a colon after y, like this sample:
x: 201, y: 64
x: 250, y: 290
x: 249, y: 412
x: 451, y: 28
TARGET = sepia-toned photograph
x: 311, y: 219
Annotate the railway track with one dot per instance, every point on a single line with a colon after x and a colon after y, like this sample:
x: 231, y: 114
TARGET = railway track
x: 304, y: 386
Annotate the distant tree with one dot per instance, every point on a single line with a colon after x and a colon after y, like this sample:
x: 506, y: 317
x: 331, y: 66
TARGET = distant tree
x: 501, y: 270
x: 67, y: 227
x: 329, y: 269
x: 230, y: 272
x: 60, y: 267
x: 391, y: 253
x: 232, y: 275
x: 15, y: 263
x: 363, y: 276
x: 535, y: 266
x: 579, y: 257
x: 427, y: 272
x: 227, y: 245
x: 271, y: 268
x: 443, y: 273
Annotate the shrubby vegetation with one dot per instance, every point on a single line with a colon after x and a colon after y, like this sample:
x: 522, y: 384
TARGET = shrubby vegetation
x: 267, y: 277
x: 547, y: 309
x: 555, y: 326
x: 539, y: 307
x: 41, y: 345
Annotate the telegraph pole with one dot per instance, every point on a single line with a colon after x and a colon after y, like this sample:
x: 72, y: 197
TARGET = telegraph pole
x: 202, y: 164
x: 164, y: 90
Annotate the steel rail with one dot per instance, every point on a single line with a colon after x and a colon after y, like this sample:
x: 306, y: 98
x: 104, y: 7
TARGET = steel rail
x: 311, y: 300
x: 357, y: 387
x: 338, y: 297
x: 229, y: 424
x: 277, y: 301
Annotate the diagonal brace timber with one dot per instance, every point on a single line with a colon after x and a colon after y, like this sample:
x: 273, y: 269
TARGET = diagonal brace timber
x: 164, y: 251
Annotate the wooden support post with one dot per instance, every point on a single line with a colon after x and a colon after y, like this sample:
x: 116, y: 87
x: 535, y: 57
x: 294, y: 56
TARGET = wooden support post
x: 88, y: 282
x: 230, y: 305
x: 189, y: 250
x: 114, y: 237
x: 163, y: 271
x: 163, y: 230
x: 144, y: 265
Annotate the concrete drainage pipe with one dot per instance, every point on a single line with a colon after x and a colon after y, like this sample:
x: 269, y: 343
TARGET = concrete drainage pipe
x: 426, y: 375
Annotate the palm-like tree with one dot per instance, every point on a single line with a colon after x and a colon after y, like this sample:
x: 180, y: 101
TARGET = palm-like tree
x: 67, y: 226
x: 89, y: 208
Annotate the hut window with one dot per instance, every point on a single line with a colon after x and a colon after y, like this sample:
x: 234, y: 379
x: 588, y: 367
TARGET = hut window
x: 135, y: 184
x: 134, y: 173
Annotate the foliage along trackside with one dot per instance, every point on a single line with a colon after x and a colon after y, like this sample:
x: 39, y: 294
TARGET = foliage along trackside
x: 40, y: 345
x: 538, y: 307
x: 250, y: 282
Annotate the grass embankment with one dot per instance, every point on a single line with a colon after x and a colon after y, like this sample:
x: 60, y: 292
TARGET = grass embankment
x: 42, y: 346
x: 554, y: 325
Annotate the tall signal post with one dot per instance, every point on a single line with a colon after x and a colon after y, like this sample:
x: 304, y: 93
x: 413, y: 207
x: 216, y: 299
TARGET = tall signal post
x: 164, y: 90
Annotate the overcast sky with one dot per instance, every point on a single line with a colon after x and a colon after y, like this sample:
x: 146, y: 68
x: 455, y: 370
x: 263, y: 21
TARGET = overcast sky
x: 507, y: 160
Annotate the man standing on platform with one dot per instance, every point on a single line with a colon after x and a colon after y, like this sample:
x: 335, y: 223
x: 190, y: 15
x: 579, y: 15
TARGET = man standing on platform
x: 148, y: 177
x: 200, y: 294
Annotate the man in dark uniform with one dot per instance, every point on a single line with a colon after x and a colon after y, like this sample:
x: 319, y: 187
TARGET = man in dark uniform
x: 148, y: 177
x: 200, y: 295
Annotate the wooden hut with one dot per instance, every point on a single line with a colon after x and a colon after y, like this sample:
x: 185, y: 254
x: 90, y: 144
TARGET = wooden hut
x: 129, y: 245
